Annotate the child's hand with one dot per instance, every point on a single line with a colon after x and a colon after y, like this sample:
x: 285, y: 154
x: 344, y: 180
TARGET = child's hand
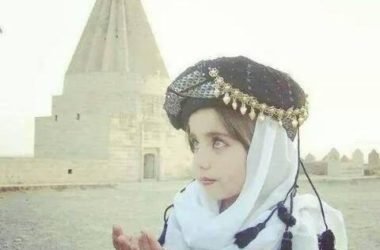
x: 124, y: 242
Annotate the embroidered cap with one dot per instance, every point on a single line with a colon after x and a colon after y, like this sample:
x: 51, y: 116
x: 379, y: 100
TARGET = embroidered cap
x: 248, y: 87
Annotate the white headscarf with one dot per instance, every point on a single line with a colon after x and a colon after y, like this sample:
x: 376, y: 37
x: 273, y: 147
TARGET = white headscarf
x: 195, y: 222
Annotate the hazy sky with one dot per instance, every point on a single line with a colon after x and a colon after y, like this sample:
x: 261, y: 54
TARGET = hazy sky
x: 330, y: 47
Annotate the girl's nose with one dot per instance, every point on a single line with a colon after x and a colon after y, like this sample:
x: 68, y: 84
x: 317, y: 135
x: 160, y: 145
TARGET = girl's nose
x: 202, y: 159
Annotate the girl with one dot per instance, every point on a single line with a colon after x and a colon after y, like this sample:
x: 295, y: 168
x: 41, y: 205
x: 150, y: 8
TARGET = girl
x: 242, y: 119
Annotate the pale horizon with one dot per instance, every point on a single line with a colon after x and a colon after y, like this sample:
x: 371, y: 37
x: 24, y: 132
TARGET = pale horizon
x: 329, y: 47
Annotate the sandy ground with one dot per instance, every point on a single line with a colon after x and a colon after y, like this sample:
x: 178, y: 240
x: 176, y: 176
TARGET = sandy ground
x: 82, y: 218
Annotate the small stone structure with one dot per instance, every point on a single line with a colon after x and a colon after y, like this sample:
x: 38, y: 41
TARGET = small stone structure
x: 334, y: 165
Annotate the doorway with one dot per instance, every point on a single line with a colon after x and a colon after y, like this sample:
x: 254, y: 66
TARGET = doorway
x: 149, y: 166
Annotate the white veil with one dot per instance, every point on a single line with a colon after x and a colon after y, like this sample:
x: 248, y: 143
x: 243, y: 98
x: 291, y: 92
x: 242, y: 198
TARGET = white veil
x: 195, y: 222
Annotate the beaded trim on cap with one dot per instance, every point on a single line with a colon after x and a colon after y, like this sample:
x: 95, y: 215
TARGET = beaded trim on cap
x: 298, y: 116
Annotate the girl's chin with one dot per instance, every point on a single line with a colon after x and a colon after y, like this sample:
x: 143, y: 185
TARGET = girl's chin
x: 220, y: 196
x: 215, y: 195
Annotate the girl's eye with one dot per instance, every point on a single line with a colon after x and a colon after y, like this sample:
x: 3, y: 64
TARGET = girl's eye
x: 193, y: 143
x: 218, y: 143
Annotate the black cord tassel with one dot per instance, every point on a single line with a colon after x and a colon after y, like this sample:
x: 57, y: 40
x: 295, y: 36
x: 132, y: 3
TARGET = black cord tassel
x: 286, y: 243
x: 243, y: 238
x: 161, y: 240
x: 327, y: 240
x: 285, y: 216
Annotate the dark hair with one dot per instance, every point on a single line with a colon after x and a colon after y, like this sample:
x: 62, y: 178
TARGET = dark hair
x: 239, y: 127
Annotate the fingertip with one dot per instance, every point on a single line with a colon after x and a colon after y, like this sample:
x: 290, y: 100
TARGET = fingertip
x: 117, y: 229
x: 141, y: 240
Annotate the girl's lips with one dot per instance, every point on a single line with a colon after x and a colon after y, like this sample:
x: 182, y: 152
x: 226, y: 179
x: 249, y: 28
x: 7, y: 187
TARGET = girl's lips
x: 207, y: 182
x: 206, y: 179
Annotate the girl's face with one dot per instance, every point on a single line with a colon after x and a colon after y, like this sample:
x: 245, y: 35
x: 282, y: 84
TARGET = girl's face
x: 217, y: 155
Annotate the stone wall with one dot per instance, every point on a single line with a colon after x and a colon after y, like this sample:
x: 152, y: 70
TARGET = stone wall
x: 131, y: 138
x: 316, y: 168
x: 31, y: 171
x: 345, y: 169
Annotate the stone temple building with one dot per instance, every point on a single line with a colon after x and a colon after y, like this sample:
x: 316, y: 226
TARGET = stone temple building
x: 108, y: 125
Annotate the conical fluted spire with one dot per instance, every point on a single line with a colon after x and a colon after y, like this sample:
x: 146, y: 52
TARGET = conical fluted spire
x: 117, y: 38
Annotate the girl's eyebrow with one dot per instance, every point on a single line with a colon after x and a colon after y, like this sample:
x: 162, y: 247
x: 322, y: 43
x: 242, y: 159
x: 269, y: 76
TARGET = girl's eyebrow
x: 211, y: 134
